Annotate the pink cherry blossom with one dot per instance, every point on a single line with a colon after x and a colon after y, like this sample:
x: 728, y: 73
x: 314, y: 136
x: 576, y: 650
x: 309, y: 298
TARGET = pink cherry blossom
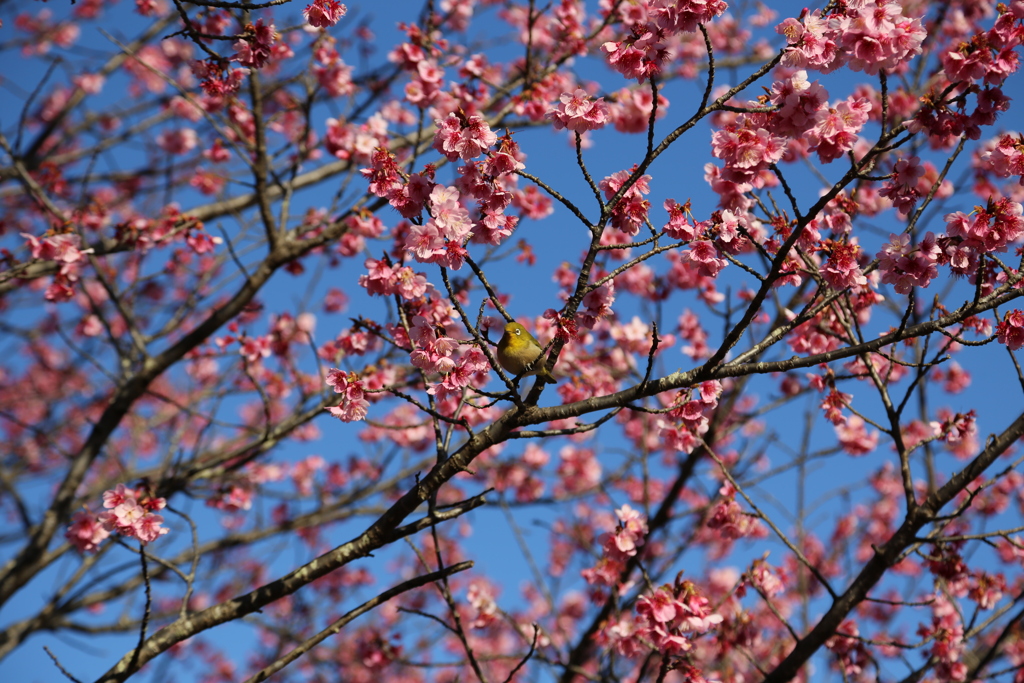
x: 131, y: 513
x: 842, y: 270
x: 854, y: 436
x: 836, y: 128
x: 463, y: 137
x: 640, y: 56
x: 324, y: 13
x: 907, y: 266
x: 1006, y: 157
x: 631, y: 210
x: 746, y: 150
x: 1010, y: 330
x: 705, y: 257
x: 255, y: 46
x: 578, y: 112
x: 165, y: 255
x: 799, y: 101
x: 86, y: 532
x: 684, y: 15
x: 353, y: 404
x: 902, y: 188
x: 866, y: 35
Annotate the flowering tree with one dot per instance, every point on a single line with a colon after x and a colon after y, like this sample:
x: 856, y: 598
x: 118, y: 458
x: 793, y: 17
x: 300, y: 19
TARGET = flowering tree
x: 195, y: 437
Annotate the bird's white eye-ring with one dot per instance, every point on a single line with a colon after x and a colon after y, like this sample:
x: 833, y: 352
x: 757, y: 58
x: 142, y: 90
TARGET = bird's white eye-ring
x: 518, y: 332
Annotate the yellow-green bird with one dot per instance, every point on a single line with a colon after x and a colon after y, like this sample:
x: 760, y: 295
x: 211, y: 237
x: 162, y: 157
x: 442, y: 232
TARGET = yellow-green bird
x: 520, y: 354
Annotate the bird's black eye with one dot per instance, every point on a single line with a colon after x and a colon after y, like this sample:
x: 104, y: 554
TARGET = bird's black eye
x: 518, y: 332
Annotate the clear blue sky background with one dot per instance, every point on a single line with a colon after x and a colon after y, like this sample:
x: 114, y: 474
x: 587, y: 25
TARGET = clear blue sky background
x: 678, y: 174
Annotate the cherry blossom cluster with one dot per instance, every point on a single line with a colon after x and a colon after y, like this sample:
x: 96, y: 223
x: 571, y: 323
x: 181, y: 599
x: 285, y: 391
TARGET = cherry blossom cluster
x: 853, y: 435
x: 768, y: 580
x: 565, y: 329
x: 834, y: 404
x: 579, y: 471
x: 672, y: 613
x: 617, y: 547
x: 729, y: 519
x: 815, y: 336
x: 171, y: 227
x: 1005, y: 158
x: 433, y: 350
x: 254, y: 349
x: 645, y: 51
x: 353, y: 404
x: 750, y: 143
x: 989, y: 56
x: 492, y: 184
x: 47, y: 33
x: 865, y: 35
x: 130, y: 512
x: 630, y: 212
x: 692, y: 332
x: 324, y: 13
x: 386, y: 180
x: 86, y: 532
x: 560, y: 32
x: 799, y: 101
x: 442, y: 238
x: 905, y: 265
x: 684, y: 16
x: 597, y: 304
x: 747, y: 150
x: 959, y: 431
x: 987, y: 230
x: 521, y: 474
x: 463, y: 137
x: 471, y: 369
x: 384, y: 279
x: 234, y: 497
x: 851, y: 655
x: 419, y: 57
x: 667, y: 621
x: 65, y: 249
x: 836, y: 128
x: 481, y: 598
x: 219, y: 83
x: 953, y: 377
x: 842, y: 270
x: 579, y: 112
x: 945, y: 124
x: 684, y: 425
x: 946, y: 633
x: 256, y: 45
x: 903, y: 187
x: 1010, y: 330
x: 640, y: 55
x: 335, y: 76
x: 977, y: 66
x: 630, y: 109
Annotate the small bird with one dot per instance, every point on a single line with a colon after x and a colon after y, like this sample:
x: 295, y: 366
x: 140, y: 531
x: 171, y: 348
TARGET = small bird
x: 520, y: 354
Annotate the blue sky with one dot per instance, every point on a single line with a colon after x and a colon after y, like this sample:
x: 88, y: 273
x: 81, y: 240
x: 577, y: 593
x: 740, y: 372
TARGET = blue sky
x: 560, y: 237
